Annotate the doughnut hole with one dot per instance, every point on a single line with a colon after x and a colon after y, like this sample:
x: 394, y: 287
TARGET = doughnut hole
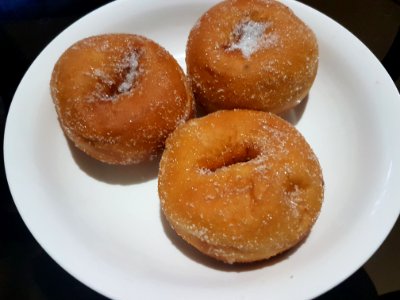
x: 228, y: 158
x: 120, y: 76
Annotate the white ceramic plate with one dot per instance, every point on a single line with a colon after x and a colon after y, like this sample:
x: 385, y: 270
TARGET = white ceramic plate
x: 103, y: 224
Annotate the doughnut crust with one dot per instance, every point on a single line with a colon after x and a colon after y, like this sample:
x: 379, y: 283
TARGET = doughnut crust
x: 253, y: 54
x: 118, y: 97
x: 240, y: 185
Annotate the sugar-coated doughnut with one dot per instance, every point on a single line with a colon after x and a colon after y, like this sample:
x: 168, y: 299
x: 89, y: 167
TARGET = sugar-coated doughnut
x: 240, y: 185
x: 253, y: 54
x: 118, y: 97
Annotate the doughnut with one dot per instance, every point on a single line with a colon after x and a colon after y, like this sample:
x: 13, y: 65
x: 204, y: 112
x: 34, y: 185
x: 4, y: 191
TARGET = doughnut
x: 118, y: 97
x: 251, y: 54
x: 240, y: 185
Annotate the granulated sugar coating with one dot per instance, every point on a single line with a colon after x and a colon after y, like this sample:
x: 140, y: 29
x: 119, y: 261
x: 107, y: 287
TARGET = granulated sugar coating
x: 119, y: 96
x: 131, y: 63
x: 106, y: 82
x: 240, y: 185
x: 249, y: 37
x: 251, y: 54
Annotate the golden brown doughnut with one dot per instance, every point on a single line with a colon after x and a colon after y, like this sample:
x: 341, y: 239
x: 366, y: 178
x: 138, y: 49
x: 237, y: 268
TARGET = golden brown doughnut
x: 118, y: 97
x: 240, y: 185
x: 253, y: 54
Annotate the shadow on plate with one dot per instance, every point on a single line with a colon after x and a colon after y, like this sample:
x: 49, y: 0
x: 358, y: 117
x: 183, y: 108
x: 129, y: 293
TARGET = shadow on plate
x: 195, y: 255
x: 114, y: 174
x: 294, y: 114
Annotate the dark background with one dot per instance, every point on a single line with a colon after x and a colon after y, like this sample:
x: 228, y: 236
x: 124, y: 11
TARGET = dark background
x: 27, y: 26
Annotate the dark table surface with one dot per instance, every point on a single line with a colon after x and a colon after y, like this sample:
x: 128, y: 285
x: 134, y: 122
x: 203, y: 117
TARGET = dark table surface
x: 27, y: 26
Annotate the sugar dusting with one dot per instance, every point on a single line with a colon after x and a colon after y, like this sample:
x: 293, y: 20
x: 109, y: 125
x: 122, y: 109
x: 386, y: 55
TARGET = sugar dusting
x: 293, y: 197
x: 250, y: 37
x: 133, y: 64
x: 119, y: 80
